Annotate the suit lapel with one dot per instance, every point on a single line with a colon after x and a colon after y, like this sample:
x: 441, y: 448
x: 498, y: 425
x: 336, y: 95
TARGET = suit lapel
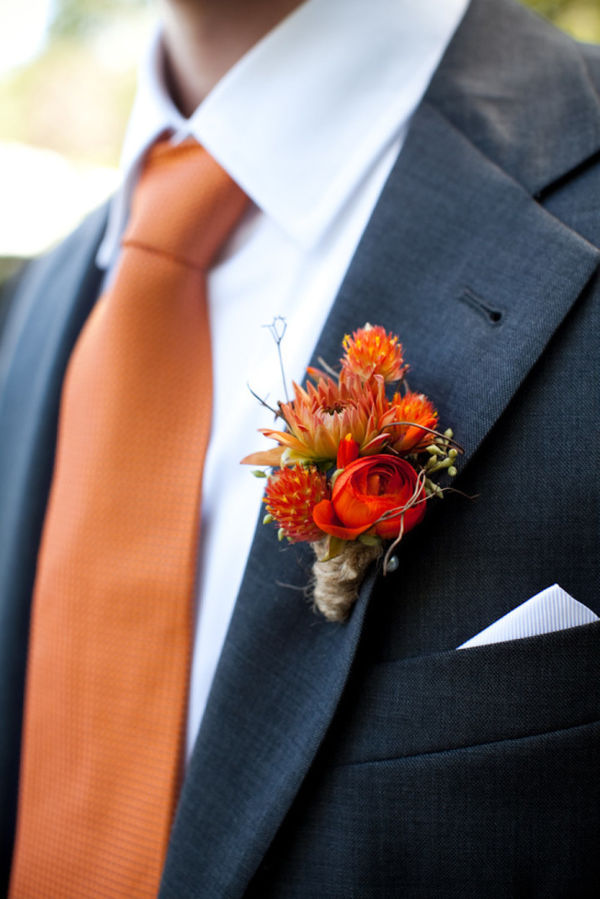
x: 54, y: 300
x: 468, y: 269
x: 474, y: 276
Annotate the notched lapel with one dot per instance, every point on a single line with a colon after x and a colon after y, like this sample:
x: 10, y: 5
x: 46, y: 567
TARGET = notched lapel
x: 468, y: 269
x: 521, y: 90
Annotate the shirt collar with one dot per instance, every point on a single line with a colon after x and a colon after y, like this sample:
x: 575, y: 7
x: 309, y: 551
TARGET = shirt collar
x: 301, y: 118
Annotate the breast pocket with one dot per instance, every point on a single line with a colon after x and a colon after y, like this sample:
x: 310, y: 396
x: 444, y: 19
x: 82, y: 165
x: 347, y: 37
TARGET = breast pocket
x: 469, y: 697
x: 459, y: 774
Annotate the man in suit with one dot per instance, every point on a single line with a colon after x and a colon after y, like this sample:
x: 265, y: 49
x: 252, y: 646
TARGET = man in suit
x: 374, y: 758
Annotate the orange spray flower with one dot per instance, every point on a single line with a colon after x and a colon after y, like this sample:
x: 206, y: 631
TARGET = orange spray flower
x: 371, y: 351
x: 291, y: 495
x: 419, y: 413
x: 320, y: 416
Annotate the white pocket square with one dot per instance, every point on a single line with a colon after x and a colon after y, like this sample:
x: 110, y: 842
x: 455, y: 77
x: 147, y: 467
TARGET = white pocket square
x: 551, y: 610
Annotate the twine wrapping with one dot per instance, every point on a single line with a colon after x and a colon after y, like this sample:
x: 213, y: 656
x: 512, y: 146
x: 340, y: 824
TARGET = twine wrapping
x: 337, y: 581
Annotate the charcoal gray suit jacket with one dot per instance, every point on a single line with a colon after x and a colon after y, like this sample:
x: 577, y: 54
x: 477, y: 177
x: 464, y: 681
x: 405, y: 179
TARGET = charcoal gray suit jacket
x: 371, y: 759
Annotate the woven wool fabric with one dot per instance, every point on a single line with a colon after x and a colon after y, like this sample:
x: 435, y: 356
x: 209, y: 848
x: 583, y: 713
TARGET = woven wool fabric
x: 112, y: 618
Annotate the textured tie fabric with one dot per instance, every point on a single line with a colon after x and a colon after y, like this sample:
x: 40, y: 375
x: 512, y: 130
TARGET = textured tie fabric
x: 111, y: 630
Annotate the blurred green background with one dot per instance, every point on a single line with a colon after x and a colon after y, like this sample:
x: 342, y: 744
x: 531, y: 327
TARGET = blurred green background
x: 67, y: 78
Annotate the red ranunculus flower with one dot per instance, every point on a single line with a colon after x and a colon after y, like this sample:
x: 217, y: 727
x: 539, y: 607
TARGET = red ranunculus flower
x: 367, y: 489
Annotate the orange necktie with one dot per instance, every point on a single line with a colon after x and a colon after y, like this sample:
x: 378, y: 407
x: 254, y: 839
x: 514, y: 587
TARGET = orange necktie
x: 110, y: 642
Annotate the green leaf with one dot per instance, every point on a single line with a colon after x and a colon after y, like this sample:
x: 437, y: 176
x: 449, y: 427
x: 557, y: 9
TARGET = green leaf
x: 335, y: 546
x: 370, y: 539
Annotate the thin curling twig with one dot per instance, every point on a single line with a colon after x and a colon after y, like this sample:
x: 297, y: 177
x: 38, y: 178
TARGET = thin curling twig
x: 278, y: 327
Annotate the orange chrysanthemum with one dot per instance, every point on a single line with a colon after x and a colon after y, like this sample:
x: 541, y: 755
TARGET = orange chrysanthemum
x: 418, y: 413
x: 371, y: 351
x: 291, y: 495
x: 322, y: 415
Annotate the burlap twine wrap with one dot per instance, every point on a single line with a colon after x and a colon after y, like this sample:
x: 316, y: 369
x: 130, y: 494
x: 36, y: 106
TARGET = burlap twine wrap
x: 337, y: 581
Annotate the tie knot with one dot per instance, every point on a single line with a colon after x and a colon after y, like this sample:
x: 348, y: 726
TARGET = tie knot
x: 185, y: 205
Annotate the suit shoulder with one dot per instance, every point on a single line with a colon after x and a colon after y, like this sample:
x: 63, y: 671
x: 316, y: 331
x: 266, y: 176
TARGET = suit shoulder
x: 50, y: 301
x: 84, y: 239
x: 34, y: 283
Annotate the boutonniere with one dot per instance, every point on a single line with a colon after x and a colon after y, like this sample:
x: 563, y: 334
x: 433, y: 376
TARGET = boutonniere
x: 355, y: 466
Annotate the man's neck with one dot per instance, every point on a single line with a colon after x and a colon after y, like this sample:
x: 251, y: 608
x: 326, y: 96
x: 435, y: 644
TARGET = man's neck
x: 204, y: 38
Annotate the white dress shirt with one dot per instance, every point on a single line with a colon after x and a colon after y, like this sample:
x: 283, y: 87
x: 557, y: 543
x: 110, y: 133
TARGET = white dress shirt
x: 309, y: 123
